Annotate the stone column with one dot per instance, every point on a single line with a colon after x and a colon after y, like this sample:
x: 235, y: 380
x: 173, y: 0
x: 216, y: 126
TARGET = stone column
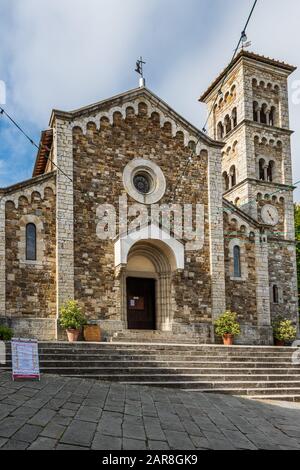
x: 266, y: 173
x: 216, y: 235
x: 63, y: 154
x: 258, y: 110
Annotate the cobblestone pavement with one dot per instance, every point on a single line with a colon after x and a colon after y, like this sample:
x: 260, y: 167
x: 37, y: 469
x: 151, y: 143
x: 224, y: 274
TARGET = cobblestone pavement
x: 60, y: 413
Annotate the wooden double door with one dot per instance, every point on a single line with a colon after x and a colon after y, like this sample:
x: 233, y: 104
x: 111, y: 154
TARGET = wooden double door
x: 141, y: 302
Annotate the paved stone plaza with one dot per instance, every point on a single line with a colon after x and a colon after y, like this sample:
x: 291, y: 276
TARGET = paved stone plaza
x: 66, y: 414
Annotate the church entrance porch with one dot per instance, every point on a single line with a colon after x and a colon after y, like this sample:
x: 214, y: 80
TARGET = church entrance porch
x: 146, y: 262
x: 141, y: 304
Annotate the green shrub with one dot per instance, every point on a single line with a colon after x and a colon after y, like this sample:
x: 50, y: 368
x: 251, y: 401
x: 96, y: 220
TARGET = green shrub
x: 6, y: 333
x: 284, y: 330
x: 71, y: 316
x: 227, y: 324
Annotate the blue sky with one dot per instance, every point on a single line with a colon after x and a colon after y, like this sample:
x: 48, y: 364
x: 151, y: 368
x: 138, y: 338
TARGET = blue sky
x: 69, y: 53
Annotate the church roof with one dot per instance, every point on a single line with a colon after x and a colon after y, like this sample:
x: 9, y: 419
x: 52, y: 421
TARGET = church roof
x: 43, y: 152
x: 117, y: 100
x: 232, y: 208
x: 247, y: 55
x: 130, y: 96
x: 27, y: 183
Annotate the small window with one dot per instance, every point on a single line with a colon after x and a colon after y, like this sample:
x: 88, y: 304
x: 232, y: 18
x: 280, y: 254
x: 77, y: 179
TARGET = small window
x: 262, y: 175
x: 234, y: 117
x: 225, y: 181
x: 275, y: 295
x: 255, y: 111
x: 220, y: 131
x: 237, y: 261
x: 270, y: 172
x: 31, y: 242
x: 263, y: 114
x: 233, y: 176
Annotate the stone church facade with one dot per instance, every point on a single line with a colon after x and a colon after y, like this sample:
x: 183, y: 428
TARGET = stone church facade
x: 134, y: 148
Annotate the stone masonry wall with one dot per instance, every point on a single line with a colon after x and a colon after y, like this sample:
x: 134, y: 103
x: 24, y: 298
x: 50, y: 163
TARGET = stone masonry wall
x: 240, y: 293
x: 100, y: 157
x: 31, y: 286
x: 282, y: 260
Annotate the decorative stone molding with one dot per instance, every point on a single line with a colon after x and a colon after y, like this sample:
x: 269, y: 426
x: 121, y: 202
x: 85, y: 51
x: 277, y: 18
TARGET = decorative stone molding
x: 158, y: 181
x: 29, y: 191
x: 155, y: 234
x: 265, y: 85
x: 239, y: 222
x: 267, y: 139
x: 151, y: 108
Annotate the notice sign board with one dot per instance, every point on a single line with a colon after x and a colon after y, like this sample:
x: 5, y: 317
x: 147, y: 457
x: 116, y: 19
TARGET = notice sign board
x: 25, y: 359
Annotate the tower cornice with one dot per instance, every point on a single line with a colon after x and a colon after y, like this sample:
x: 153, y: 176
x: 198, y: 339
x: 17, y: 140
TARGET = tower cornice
x: 251, y: 56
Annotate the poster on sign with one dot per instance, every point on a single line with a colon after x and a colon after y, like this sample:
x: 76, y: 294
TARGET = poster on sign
x: 25, y: 359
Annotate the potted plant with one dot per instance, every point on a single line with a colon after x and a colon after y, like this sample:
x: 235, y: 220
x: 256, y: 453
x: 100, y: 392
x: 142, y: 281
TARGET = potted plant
x: 72, y: 320
x: 284, y: 332
x: 6, y: 333
x: 227, y: 327
x: 92, y: 333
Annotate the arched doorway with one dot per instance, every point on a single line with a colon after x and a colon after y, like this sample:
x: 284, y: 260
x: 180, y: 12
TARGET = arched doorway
x: 146, y: 285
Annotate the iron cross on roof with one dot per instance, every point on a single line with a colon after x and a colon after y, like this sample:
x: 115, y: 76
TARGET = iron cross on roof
x: 139, y: 67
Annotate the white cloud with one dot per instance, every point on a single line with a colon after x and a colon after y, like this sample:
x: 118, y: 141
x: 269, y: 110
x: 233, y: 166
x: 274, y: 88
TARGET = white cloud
x: 69, y: 53
x: 66, y: 53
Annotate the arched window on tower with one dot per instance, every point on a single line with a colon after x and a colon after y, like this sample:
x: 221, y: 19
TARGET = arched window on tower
x: 233, y: 176
x: 234, y: 117
x: 255, y: 111
x: 272, y: 116
x: 225, y: 181
x: 227, y: 123
x: 237, y: 261
x: 270, y: 171
x: 31, y: 252
x: 262, y: 175
x: 263, y: 114
x: 220, y: 131
x: 275, y: 295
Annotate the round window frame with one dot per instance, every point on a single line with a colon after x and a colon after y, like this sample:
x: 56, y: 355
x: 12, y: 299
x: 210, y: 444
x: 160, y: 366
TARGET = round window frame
x: 148, y: 177
x: 156, y: 177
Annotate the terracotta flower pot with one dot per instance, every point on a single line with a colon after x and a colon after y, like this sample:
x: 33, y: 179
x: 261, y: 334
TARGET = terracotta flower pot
x: 73, y: 335
x: 228, y: 340
x: 92, y: 333
x: 279, y: 342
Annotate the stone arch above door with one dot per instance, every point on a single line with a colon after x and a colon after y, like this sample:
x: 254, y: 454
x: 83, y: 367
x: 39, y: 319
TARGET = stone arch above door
x: 151, y: 259
x: 156, y: 236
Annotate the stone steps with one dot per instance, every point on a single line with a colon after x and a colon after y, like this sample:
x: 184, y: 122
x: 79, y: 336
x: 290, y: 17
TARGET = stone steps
x: 133, y: 336
x: 153, y: 367
x: 239, y: 370
x: 162, y: 346
x: 164, y: 358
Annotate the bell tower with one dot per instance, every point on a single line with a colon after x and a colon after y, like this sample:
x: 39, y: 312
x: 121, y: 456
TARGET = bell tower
x: 248, y: 106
